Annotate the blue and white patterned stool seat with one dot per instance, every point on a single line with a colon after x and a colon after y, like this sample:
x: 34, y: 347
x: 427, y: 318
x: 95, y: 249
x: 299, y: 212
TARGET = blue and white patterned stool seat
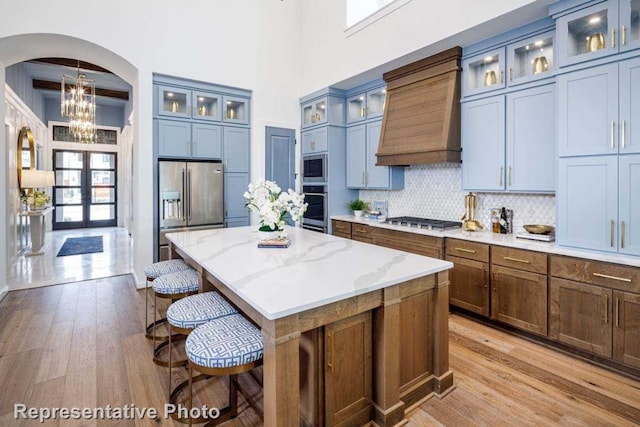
x: 158, y: 269
x: 196, y: 310
x: 225, y: 342
x: 177, y: 283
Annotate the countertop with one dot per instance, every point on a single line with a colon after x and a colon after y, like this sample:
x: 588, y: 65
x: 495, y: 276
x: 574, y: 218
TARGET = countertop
x: 508, y: 240
x: 315, y: 270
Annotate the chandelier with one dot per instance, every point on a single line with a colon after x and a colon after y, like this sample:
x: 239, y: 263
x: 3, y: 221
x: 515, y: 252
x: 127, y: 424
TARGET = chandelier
x: 78, y: 103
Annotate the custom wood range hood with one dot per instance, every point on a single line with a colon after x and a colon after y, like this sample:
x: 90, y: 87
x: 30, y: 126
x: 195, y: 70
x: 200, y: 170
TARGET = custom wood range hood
x: 421, y: 121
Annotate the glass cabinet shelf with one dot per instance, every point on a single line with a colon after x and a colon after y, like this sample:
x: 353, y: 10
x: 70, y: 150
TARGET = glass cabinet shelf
x: 531, y: 58
x: 174, y: 102
x: 357, y: 108
x: 375, y: 102
x: 587, y: 34
x: 484, y: 72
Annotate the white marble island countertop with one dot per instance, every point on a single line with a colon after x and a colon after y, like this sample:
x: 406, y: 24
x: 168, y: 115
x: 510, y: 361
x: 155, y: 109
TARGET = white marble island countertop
x: 315, y: 270
x: 508, y: 240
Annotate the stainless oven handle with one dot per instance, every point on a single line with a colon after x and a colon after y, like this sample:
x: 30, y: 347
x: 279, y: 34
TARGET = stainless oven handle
x: 316, y: 194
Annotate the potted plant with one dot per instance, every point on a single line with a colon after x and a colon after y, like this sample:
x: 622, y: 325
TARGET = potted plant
x: 358, y: 206
x: 36, y: 200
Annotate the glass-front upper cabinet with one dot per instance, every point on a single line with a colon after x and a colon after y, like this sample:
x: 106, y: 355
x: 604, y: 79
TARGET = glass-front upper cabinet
x: 376, y: 100
x: 366, y: 105
x: 530, y: 59
x: 174, y: 102
x: 484, y: 72
x: 236, y: 110
x: 314, y: 112
x: 587, y: 33
x: 629, y: 24
x: 206, y: 106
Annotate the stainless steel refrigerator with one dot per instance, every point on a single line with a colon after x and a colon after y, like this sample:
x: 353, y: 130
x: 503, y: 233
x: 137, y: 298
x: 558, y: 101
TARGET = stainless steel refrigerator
x: 190, y: 197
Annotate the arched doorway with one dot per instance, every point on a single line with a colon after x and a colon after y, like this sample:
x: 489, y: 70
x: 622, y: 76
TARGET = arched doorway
x: 19, y: 48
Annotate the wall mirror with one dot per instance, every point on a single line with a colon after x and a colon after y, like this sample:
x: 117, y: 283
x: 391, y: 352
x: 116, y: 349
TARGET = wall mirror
x: 25, y: 153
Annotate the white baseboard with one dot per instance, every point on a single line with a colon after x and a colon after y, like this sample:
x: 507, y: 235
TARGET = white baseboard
x: 139, y: 284
x: 3, y: 292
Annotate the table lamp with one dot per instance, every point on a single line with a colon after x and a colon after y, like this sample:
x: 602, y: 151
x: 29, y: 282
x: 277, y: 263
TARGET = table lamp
x: 32, y: 179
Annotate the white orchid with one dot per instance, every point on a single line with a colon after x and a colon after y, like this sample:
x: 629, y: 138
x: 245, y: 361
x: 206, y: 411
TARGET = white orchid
x: 272, y: 204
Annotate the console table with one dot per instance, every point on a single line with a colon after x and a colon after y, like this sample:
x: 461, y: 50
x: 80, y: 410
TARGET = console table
x: 352, y: 332
x: 36, y: 229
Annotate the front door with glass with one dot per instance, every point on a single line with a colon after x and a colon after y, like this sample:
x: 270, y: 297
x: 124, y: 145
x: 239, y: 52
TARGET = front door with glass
x: 85, y: 191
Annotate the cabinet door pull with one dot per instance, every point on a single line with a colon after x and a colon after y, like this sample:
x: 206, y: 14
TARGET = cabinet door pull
x: 330, y: 361
x: 623, y: 35
x: 623, y: 139
x: 500, y: 176
x: 469, y: 251
x: 501, y: 76
x: 613, y: 225
x: 362, y: 178
x: 606, y: 309
x: 510, y: 74
x: 366, y: 178
x: 617, y: 311
x: 313, y: 145
x: 622, y: 234
x: 613, y: 37
x: 509, y: 176
x: 606, y: 276
x: 524, y: 261
x: 613, y: 134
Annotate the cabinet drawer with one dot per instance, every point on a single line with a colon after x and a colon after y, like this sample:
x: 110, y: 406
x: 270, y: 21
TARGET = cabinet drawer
x: 342, y: 227
x: 361, y: 231
x: 519, y: 259
x: 314, y: 141
x: 469, y: 250
x: 596, y: 272
x: 409, y: 242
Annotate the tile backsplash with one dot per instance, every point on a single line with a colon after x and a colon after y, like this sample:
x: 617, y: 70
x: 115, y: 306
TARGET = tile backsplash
x: 434, y: 191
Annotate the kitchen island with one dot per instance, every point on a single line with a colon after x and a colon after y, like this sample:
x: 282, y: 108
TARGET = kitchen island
x: 352, y: 331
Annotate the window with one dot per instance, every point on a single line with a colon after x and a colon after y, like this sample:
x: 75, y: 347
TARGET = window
x: 362, y: 13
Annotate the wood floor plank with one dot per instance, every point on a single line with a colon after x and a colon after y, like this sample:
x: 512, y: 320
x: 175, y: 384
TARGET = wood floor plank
x: 37, y: 331
x: 80, y: 388
x: 112, y: 376
x: 55, y: 357
x: 17, y: 370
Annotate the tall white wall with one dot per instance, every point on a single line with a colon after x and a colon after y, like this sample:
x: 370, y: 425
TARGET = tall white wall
x: 251, y: 44
x: 418, y: 29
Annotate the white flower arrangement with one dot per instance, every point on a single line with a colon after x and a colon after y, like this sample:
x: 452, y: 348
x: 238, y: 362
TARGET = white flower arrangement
x: 272, y: 204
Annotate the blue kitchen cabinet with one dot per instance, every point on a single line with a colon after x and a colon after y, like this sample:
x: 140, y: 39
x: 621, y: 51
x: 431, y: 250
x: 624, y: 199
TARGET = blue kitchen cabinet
x: 236, y: 149
x: 356, y: 156
x: 585, y: 33
x: 629, y: 94
x: 173, y: 102
x: 366, y: 105
x: 531, y: 140
x: 596, y: 31
x: 235, y: 211
x: 483, y: 144
x: 484, y: 72
x: 587, y: 201
x: 362, y: 172
x: 206, y: 106
x: 588, y: 116
x: 324, y: 107
x: 207, y: 141
x: 315, y: 112
x: 174, y: 138
x: 235, y: 110
x: 178, y: 139
x: 315, y: 141
x: 530, y: 59
x: 629, y: 209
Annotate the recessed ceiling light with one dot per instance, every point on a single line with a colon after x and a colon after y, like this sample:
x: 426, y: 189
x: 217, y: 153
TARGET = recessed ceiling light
x: 170, y: 94
x: 539, y: 43
x: 595, y: 20
x: 200, y: 99
x: 488, y: 59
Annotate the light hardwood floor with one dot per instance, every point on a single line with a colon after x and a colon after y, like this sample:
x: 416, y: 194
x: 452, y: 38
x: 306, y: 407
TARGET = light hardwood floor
x: 81, y: 345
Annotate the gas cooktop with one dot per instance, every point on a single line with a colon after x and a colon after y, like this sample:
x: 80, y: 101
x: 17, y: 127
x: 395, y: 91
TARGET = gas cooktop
x: 430, y: 224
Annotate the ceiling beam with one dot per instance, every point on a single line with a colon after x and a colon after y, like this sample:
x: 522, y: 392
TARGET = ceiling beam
x: 109, y: 93
x: 71, y: 63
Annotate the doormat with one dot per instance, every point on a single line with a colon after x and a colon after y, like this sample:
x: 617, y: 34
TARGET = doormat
x: 81, y: 245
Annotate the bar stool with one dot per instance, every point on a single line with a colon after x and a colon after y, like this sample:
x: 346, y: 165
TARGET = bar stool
x: 229, y: 345
x: 152, y: 272
x: 187, y: 314
x: 173, y: 286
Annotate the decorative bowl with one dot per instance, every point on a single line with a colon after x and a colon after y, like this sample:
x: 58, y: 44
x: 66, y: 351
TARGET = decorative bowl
x: 539, y: 229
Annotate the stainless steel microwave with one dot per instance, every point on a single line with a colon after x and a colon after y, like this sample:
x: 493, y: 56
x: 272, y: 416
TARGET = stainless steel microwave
x: 314, y: 168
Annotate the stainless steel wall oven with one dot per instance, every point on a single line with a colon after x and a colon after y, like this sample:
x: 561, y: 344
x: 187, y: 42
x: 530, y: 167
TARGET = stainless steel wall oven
x: 316, y: 216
